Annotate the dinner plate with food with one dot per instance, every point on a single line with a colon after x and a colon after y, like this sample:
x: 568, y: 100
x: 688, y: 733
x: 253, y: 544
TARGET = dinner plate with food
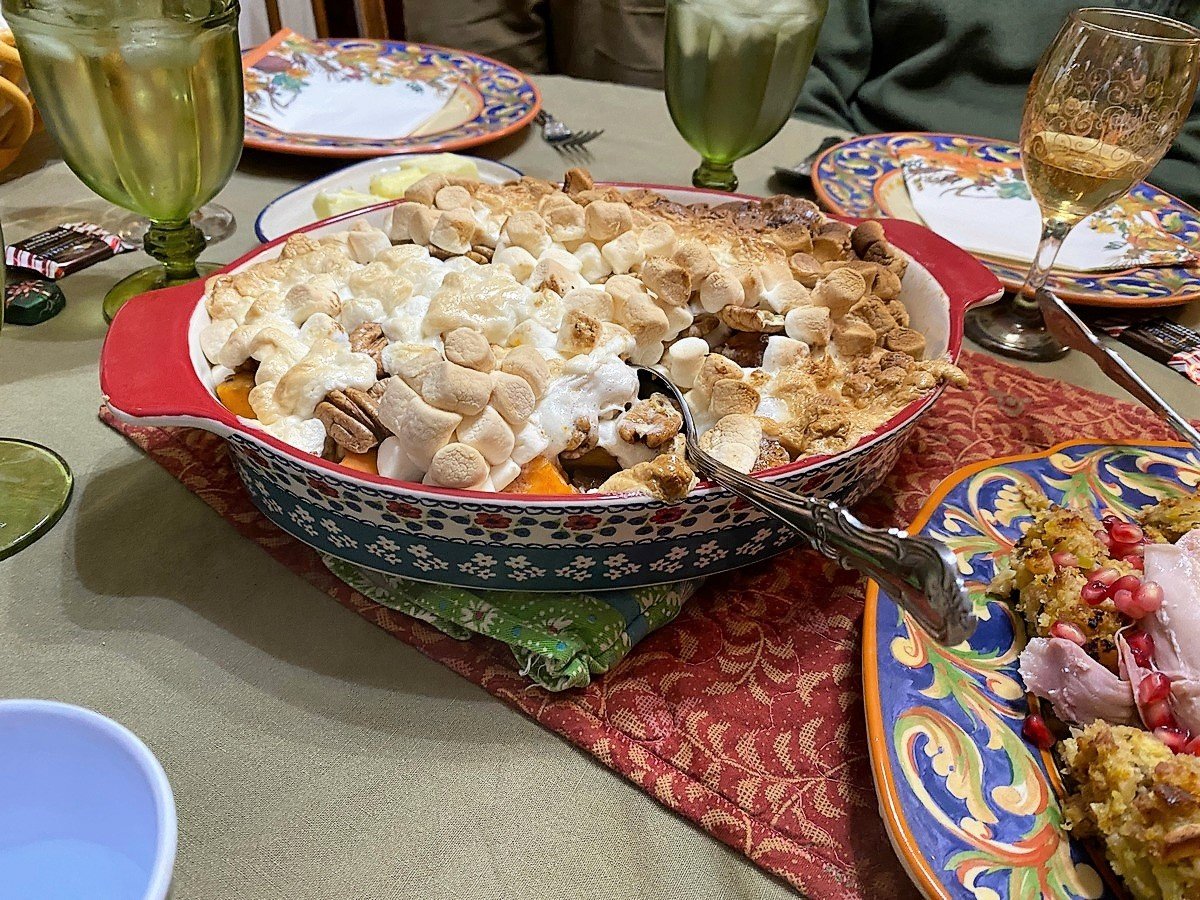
x: 368, y: 183
x: 444, y: 388
x: 1056, y: 753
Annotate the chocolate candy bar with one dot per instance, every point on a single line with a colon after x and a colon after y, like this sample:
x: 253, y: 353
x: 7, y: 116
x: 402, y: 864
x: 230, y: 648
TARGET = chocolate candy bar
x: 1161, y: 339
x: 65, y: 249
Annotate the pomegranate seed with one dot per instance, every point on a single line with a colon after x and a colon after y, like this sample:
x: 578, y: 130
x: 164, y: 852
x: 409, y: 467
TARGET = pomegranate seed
x: 1068, y: 632
x: 1064, y: 558
x: 1126, y: 583
x: 1192, y: 746
x: 1141, y: 645
x: 1126, y: 605
x: 1037, y: 732
x: 1172, y: 737
x: 1158, y: 715
x: 1126, y: 533
x: 1094, y: 593
x: 1137, y: 562
x: 1149, y: 596
x: 1103, y: 538
x: 1120, y: 551
x: 1106, y: 576
x: 1154, y: 687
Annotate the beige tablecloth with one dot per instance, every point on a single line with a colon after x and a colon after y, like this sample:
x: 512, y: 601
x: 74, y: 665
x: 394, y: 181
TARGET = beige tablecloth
x: 313, y: 756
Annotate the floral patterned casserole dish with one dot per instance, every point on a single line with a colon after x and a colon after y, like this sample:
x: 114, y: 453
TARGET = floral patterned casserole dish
x: 153, y: 372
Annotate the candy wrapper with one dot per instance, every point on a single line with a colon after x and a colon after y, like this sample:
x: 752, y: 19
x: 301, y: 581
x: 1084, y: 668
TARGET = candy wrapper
x: 65, y: 249
x: 1162, y: 339
x: 30, y: 298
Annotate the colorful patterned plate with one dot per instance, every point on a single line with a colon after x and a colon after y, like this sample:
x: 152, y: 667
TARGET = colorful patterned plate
x: 489, y: 101
x: 971, y: 808
x: 862, y: 177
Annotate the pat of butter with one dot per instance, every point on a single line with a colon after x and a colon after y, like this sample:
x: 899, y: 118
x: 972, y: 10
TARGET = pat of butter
x: 334, y: 203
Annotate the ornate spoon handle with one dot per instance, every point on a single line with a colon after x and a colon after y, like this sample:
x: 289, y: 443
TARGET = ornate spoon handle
x: 921, y: 574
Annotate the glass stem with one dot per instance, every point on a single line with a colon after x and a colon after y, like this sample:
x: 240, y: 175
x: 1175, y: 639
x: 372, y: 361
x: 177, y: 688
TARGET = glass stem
x: 176, y: 245
x: 715, y: 176
x: 1054, y: 232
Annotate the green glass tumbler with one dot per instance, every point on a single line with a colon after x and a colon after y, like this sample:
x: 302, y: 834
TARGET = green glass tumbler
x: 145, y: 104
x: 734, y: 71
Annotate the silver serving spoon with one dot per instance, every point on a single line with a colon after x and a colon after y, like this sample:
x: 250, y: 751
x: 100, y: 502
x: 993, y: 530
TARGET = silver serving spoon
x: 921, y: 574
x: 1062, y: 322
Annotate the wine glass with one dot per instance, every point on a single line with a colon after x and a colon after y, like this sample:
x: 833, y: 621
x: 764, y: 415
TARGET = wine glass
x: 144, y: 99
x: 35, y: 483
x: 733, y: 73
x: 1107, y: 99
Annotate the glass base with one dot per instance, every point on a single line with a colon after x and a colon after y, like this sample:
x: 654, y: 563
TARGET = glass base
x: 215, y: 222
x: 35, y: 486
x: 152, y: 278
x: 715, y: 176
x: 1011, y: 330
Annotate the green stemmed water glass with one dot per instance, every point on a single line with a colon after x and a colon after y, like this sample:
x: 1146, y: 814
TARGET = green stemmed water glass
x: 144, y: 99
x: 35, y: 483
x: 734, y: 69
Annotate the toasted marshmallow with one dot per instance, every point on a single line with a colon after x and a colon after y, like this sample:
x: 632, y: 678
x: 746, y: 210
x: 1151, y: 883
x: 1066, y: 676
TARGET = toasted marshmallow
x: 518, y: 260
x: 468, y: 347
x: 364, y: 242
x: 721, y: 289
x: 488, y: 433
x: 456, y: 388
x: 809, y: 324
x: 457, y: 466
x: 683, y: 360
x: 735, y: 440
x: 623, y: 252
x: 393, y: 462
x: 454, y: 230
x: 512, y: 397
x: 592, y: 264
x: 528, y: 230
x: 529, y: 364
x: 604, y: 220
x: 452, y: 196
x: 783, y: 351
x: 657, y: 240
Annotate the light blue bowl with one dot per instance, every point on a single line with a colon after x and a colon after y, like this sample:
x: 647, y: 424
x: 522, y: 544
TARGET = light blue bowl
x: 85, y: 808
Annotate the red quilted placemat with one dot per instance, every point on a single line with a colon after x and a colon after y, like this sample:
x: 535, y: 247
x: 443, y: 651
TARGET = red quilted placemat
x: 745, y: 714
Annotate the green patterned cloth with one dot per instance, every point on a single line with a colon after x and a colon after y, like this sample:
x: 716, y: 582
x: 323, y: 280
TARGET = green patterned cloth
x: 559, y: 640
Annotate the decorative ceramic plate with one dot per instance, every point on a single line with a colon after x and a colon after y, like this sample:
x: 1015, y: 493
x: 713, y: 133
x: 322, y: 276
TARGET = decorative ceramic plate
x: 862, y: 177
x: 486, y: 98
x: 972, y: 809
x: 294, y: 209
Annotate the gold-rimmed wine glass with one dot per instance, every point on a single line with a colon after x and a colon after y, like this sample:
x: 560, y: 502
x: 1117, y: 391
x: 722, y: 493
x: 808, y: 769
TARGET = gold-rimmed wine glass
x: 734, y: 70
x: 1107, y: 99
x: 144, y: 99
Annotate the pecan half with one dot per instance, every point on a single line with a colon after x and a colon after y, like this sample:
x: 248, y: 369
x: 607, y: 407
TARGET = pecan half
x: 369, y: 338
x: 745, y: 318
x: 652, y: 422
x: 351, y: 418
x: 583, y: 439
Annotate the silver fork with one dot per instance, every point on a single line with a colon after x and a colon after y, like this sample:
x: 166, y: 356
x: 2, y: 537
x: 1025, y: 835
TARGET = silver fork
x: 919, y: 573
x: 559, y: 136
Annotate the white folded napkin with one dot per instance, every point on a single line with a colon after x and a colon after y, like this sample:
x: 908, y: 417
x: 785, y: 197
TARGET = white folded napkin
x: 985, y: 207
x: 299, y: 86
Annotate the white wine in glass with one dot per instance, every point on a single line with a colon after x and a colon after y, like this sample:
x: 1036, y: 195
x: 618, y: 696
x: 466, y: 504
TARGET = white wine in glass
x: 1107, y: 99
